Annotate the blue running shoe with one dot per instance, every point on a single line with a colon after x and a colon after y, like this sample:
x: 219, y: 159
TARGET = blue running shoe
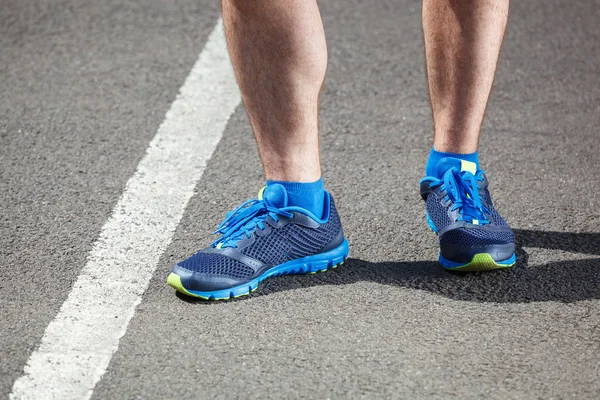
x: 472, y: 235
x: 262, y: 238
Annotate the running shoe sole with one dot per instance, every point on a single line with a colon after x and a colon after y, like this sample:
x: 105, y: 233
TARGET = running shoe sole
x: 308, y: 265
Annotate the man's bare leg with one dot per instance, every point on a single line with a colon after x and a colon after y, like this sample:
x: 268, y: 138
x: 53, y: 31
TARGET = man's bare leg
x: 279, y: 56
x: 462, y: 43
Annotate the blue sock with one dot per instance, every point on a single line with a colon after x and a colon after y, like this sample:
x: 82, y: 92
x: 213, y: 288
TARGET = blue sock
x: 435, y: 157
x: 310, y: 196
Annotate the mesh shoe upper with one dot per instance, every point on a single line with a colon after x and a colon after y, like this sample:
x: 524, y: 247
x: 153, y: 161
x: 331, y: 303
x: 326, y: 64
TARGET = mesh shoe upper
x: 295, y: 241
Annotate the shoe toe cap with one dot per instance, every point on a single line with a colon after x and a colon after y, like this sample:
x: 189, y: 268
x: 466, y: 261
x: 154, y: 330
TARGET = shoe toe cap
x: 204, y: 282
x: 462, y: 244
x: 210, y: 272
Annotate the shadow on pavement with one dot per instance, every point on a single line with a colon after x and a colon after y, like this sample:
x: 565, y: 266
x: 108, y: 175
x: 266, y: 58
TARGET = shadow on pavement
x: 565, y: 281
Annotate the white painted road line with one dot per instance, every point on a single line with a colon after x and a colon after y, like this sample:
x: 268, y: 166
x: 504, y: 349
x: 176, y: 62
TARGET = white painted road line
x: 78, y: 344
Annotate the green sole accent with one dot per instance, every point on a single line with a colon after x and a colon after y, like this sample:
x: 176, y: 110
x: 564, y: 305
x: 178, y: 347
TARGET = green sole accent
x: 174, y: 281
x: 481, y: 262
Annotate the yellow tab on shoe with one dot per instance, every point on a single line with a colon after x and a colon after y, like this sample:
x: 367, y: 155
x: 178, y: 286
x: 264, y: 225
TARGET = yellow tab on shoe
x: 261, y: 192
x: 475, y: 222
x: 468, y: 166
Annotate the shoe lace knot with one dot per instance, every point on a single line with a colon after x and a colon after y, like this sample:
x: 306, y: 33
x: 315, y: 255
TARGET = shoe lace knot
x: 462, y: 189
x: 250, y: 215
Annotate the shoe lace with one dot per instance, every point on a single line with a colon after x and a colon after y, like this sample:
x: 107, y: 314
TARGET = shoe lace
x: 463, y: 190
x: 242, y: 221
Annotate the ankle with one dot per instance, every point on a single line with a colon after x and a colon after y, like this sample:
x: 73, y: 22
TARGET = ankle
x: 298, y: 164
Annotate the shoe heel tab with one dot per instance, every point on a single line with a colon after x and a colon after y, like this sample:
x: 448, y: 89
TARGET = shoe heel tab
x: 327, y: 205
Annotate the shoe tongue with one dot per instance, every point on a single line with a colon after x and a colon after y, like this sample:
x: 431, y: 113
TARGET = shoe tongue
x: 447, y: 163
x: 274, y: 195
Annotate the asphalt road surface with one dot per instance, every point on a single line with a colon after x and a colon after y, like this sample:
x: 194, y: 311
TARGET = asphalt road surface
x: 84, y: 88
